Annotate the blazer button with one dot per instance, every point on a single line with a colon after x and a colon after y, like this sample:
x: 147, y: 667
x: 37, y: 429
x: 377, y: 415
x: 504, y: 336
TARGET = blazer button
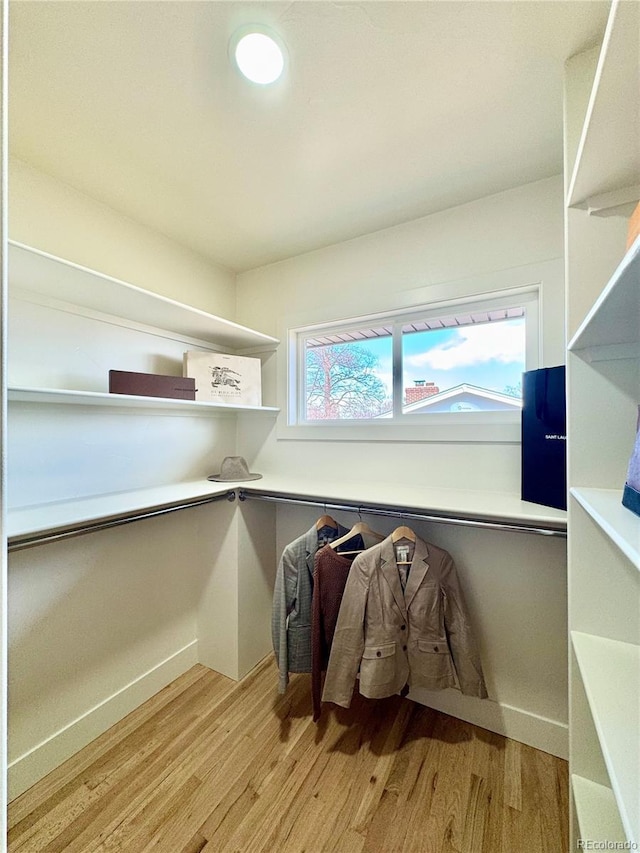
x: 403, y: 627
x: 378, y: 654
x: 435, y: 648
x: 404, y: 648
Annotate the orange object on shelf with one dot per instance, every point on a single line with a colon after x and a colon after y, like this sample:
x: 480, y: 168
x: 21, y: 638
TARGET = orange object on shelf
x: 634, y: 226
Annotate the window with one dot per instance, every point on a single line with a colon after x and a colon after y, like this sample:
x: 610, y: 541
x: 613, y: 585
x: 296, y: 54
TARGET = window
x: 464, y: 363
x: 348, y: 375
x: 454, y: 363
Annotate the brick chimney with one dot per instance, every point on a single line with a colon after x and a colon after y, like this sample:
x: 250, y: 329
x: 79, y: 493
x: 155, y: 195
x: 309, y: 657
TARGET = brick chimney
x: 420, y: 391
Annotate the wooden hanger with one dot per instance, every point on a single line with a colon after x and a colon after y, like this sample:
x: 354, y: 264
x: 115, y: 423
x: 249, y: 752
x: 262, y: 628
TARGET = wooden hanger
x: 359, y: 528
x: 400, y: 533
x: 403, y: 532
x: 326, y: 521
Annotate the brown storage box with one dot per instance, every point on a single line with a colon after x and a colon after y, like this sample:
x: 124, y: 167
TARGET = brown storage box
x: 151, y: 385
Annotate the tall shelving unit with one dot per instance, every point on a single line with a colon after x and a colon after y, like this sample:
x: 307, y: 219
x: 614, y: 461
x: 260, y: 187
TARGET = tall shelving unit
x: 61, y: 288
x: 602, y: 168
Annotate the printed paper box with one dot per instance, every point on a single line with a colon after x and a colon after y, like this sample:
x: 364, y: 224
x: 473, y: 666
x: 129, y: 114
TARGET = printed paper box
x: 220, y: 378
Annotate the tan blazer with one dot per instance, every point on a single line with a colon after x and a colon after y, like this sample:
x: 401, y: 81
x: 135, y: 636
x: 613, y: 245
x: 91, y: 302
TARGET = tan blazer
x: 420, y: 637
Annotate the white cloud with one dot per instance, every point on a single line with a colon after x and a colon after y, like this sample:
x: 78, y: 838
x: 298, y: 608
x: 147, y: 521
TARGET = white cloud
x: 475, y: 345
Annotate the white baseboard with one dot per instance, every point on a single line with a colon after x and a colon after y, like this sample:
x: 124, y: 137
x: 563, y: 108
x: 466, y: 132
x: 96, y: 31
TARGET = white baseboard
x: 524, y: 726
x: 32, y: 765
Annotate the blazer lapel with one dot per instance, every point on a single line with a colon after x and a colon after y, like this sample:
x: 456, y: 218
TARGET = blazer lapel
x: 311, y: 545
x: 419, y: 568
x: 389, y: 571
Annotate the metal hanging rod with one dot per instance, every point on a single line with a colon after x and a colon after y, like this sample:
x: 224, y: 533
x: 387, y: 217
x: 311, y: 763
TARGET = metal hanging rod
x: 55, y: 534
x: 394, y: 512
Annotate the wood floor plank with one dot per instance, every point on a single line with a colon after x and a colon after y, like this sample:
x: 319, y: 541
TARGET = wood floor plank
x: 211, y: 766
x: 210, y: 734
x: 194, y: 845
x: 116, y: 755
x: 476, y: 816
x: 512, y: 774
x: 129, y: 794
x: 494, y: 776
x: 445, y: 823
x: 28, y: 804
x: 543, y: 791
x: 414, y: 781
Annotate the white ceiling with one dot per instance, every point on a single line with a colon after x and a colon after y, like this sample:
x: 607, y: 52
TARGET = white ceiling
x: 389, y: 111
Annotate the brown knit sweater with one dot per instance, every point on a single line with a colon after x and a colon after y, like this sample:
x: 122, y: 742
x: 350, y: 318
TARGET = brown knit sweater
x: 331, y: 570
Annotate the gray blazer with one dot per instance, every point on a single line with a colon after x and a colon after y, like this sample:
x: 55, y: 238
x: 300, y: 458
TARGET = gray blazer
x: 420, y: 636
x: 292, y: 596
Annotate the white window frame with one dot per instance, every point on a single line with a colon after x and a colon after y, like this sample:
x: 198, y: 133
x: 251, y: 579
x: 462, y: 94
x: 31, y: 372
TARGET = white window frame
x: 474, y: 427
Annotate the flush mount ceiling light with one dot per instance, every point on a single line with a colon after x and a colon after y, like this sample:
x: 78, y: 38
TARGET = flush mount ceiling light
x: 258, y: 54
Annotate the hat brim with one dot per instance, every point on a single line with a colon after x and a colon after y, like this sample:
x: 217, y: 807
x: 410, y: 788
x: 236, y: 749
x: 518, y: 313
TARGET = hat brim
x: 217, y: 478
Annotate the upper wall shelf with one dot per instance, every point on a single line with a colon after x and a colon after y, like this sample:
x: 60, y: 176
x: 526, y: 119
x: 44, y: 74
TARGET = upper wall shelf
x: 608, y: 157
x: 620, y: 524
x: 41, y: 521
x: 161, y: 405
x: 611, y: 329
x: 38, y: 272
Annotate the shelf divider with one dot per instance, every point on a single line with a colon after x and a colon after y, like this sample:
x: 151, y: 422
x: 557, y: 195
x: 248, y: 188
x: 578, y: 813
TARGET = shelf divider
x: 597, y: 810
x: 611, y: 675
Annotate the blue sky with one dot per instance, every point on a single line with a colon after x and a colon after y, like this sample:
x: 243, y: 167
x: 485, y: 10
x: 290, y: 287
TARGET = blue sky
x: 491, y: 355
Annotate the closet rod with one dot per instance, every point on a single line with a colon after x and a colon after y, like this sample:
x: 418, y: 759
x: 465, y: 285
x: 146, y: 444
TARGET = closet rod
x: 378, y: 509
x: 55, y: 534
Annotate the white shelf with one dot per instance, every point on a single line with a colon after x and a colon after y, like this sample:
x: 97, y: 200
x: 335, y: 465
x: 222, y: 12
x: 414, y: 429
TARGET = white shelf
x: 611, y: 329
x: 608, y: 155
x: 35, y: 519
x: 620, y: 524
x: 451, y: 503
x: 611, y: 675
x: 38, y: 272
x: 473, y: 504
x: 597, y: 811
x: 604, y: 369
x: 130, y: 401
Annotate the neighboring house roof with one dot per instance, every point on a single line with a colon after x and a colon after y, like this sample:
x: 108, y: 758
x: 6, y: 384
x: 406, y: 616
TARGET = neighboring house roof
x: 462, y: 398
x: 471, y: 392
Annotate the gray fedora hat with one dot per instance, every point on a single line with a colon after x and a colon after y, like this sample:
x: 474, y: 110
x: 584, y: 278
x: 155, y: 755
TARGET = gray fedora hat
x: 234, y: 468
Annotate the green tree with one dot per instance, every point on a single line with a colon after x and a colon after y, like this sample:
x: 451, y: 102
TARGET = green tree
x: 342, y: 384
x: 514, y: 390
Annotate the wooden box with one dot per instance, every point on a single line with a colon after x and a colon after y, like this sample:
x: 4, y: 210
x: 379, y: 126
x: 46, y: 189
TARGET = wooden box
x: 151, y: 385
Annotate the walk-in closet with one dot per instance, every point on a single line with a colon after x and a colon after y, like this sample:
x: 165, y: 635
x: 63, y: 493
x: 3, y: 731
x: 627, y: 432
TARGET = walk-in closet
x: 319, y: 394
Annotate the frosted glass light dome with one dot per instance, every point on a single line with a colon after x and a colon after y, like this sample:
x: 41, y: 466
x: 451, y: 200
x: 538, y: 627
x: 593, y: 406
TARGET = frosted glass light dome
x: 258, y: 56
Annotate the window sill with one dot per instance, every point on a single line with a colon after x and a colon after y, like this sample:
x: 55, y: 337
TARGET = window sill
x: 505, y: 431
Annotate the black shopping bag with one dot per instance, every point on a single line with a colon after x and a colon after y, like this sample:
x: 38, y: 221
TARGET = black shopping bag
x: 544, y: 437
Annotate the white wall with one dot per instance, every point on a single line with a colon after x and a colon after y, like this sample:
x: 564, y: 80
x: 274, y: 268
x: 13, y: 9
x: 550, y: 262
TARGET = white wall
x: 98, y: 624
x: 54, y: 217
x: 60, y: 452
x: 101, y: 622
x: 516, y: 583
x: 442, y: 256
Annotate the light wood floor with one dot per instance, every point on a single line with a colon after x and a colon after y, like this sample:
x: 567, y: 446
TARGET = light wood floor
x: 214, y: 766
